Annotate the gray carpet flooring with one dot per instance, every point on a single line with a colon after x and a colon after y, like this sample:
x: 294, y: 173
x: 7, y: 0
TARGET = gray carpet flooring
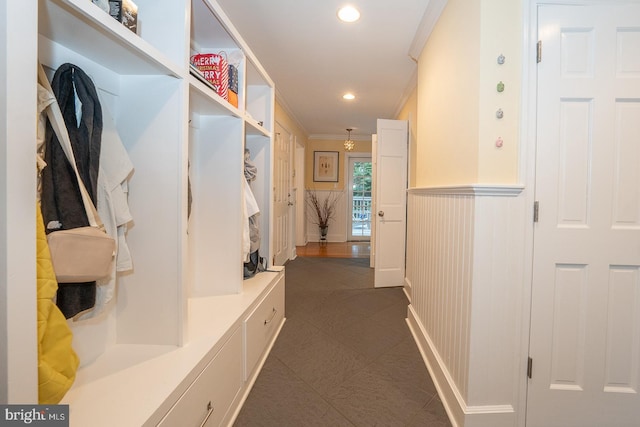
x: 345, y: 356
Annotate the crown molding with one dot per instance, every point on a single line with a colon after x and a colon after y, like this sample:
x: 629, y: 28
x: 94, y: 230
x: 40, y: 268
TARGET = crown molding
x: 429, y: 19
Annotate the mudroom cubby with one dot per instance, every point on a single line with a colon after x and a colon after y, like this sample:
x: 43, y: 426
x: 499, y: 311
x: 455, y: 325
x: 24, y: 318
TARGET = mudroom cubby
x: 184, y: 313
x: 144, y: 92
x: 260, y: 97
x: 215, y: 239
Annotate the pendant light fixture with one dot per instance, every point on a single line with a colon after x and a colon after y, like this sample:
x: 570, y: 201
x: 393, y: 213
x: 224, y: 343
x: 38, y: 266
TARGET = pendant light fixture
x: 349, y: 145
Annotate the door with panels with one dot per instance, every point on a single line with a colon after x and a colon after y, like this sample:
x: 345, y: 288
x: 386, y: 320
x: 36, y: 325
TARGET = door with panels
x: 282, y: 195
x: 585, y: 324
x: 391, y: 202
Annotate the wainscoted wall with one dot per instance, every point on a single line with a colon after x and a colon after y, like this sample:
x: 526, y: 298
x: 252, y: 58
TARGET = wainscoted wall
x: 337, y: 227
x: 464, y: 277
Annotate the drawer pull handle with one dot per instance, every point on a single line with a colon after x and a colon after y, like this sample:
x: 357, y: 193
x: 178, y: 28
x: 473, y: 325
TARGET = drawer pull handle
x: 210, y: 409
x: 273, y: 314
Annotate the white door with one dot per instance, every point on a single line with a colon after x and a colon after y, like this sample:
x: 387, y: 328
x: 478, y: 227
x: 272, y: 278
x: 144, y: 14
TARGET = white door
x: 391, y: 203
x: 585, y: 318
x: 281, y: 195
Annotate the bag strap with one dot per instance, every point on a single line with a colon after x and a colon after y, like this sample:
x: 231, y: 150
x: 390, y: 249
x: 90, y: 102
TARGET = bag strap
x: 57, y: 123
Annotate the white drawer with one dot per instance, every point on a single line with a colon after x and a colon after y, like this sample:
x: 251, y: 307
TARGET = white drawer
x: 261, y: 325
x: 213, y: 391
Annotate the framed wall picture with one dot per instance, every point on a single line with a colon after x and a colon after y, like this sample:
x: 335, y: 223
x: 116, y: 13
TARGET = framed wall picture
x: 325, y: 166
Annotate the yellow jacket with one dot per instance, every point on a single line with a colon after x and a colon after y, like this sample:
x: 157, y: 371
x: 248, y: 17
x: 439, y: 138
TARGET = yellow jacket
x: 57, y: 361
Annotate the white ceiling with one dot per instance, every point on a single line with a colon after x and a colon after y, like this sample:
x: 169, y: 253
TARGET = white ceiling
x: 314, y: 58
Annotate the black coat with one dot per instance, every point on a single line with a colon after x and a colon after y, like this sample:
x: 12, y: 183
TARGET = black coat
x: 62, y: 206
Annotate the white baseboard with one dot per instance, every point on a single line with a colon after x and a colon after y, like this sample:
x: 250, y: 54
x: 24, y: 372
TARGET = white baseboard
x: 460, y: 414
x: 407, y: 288
x: 446, y: 389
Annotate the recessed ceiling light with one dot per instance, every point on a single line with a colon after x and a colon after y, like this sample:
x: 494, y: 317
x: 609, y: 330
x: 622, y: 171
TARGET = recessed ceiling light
x: 349, y: 96
x: 348, y: 14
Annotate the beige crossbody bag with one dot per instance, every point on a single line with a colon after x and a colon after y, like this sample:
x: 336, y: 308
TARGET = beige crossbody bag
x: 82, y: 254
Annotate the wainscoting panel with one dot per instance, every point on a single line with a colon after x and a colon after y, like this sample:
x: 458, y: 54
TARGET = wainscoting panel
x: 440, y: 247
x: 464, y: 266
x: 337, y: 226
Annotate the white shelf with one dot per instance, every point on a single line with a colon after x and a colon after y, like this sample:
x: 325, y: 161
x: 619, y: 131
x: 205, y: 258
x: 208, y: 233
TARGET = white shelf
x: 203, y: 100
x: 89, y: 31
x: 255, y: 128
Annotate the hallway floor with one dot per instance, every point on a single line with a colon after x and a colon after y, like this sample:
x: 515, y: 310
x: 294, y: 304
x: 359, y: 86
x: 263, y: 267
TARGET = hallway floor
x: 345, y: 356
x: 335, y: 250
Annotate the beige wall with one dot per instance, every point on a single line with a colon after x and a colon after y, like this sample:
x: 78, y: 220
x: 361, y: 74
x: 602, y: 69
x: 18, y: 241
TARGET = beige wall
x: 500, y: 33
x: 330, y: 145
x: 457, y: 98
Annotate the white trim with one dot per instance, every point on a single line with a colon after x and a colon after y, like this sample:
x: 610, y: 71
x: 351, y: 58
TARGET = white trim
x: 471, y: 190
x: 457, y: 410
x: 407, y: 288
x: 527, y: 175
x: 445, y: 386
x: 488, y: 409
x: 428, y: 22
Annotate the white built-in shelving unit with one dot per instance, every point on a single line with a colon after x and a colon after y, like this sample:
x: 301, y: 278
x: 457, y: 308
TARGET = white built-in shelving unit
x: 185, y: 304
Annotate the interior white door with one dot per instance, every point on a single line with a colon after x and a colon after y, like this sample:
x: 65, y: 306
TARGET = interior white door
x: 585, y: 319
x: 391, y: 202
x: 281, y: 195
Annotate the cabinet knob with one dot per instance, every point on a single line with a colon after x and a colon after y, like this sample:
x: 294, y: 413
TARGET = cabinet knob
x: 380, y: 214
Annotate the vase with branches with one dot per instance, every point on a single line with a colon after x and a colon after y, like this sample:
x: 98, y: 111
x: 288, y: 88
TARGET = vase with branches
x: 322, y: 209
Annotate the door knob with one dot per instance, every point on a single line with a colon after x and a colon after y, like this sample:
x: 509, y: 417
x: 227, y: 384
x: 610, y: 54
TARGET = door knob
x: 380, y: 213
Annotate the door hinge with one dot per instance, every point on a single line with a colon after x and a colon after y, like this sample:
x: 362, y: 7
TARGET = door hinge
x: 529, y: 367
x: 536, y: 210
x: 539, y: 51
